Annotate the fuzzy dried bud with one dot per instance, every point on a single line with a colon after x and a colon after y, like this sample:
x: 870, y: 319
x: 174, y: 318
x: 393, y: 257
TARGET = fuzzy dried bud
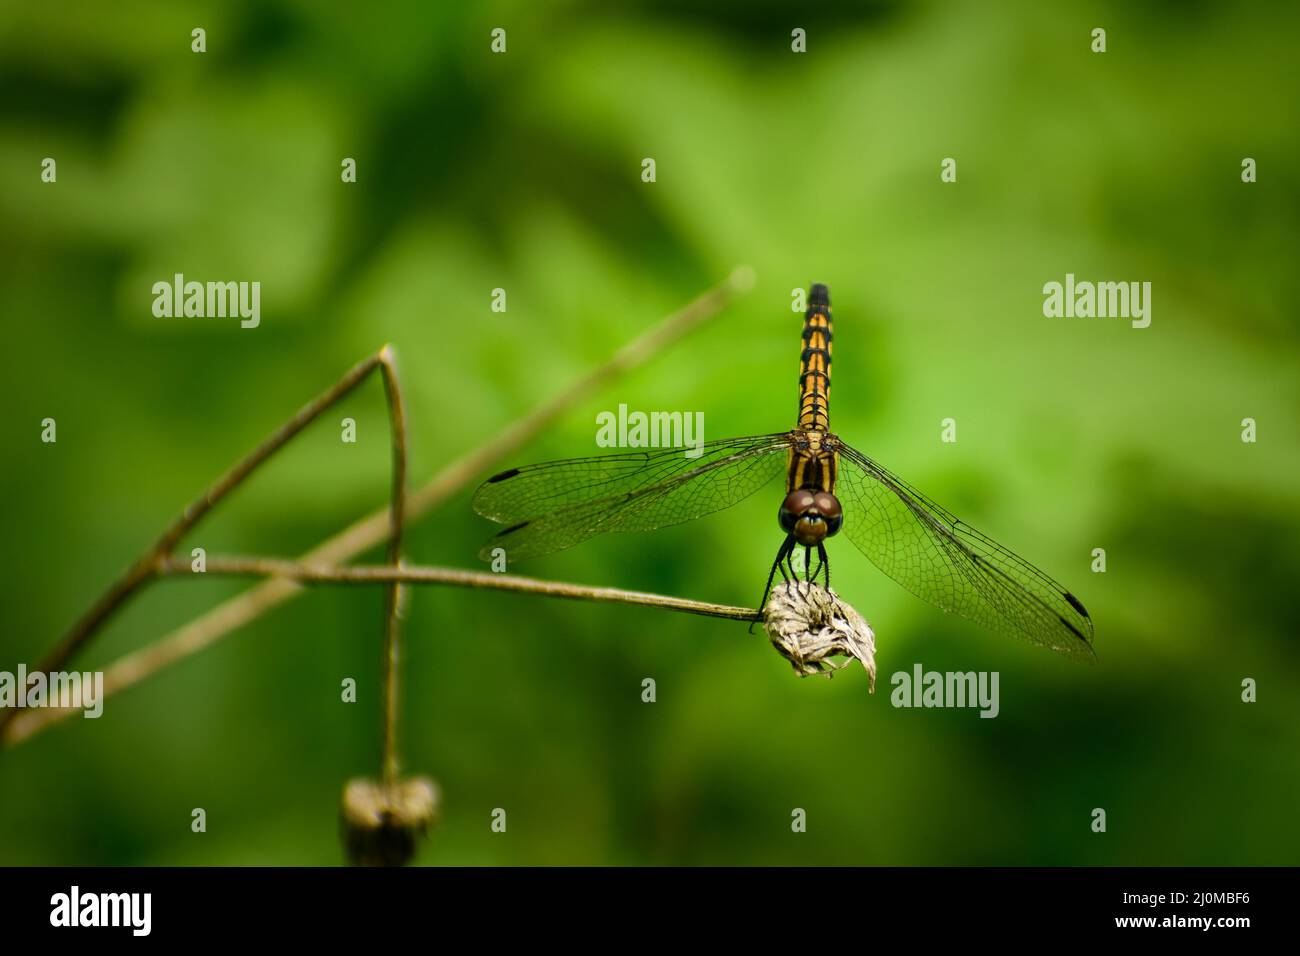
x: 808, y: 625
x: 382, y: 824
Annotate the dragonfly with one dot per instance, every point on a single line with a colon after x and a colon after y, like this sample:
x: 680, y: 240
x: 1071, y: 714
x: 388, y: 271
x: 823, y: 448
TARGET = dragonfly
x: 831, y: 488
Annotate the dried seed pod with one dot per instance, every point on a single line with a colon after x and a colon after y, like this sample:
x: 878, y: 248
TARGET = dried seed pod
x: 808, y: 625
x: 382, y: 824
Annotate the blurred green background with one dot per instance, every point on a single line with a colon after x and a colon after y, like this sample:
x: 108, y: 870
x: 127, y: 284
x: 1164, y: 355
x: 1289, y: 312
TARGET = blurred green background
x: 522, y: 171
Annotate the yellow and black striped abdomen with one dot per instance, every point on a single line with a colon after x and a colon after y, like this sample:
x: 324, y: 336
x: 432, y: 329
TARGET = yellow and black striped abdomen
x: 815, y: 362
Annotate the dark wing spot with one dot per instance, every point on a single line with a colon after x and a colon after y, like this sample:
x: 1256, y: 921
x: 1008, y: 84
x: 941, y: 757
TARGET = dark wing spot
x: 503, y: 476
x: 513, y: 528
x: 1077, y: 633
x: 1076, y: 604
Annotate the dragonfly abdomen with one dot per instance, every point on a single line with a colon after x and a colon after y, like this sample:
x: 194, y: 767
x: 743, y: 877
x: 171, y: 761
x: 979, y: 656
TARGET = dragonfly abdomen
x: 815, y: 362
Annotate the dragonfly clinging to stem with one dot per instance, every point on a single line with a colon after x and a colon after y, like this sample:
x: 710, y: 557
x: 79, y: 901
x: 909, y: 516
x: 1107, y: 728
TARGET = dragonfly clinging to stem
x: 830, y: 487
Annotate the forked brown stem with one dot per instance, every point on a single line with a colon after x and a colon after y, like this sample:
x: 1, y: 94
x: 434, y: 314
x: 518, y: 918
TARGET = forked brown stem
x: 146, y: 567
x: 207, y: 629
x: 153, y: 561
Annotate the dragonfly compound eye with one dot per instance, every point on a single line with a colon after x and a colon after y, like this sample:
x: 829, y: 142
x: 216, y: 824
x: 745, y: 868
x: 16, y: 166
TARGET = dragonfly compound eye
x: 828, y: 506
x: 793, y: 508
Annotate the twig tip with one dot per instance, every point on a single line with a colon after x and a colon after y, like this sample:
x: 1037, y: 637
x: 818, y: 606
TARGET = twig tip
x: 742, y: 278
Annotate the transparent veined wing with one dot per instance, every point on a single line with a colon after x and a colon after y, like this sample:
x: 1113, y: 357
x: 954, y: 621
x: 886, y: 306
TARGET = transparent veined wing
x: 555, y: 505
x: 945, y: 561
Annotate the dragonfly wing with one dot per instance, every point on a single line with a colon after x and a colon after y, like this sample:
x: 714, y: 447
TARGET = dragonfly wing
x: 555, y: 505
x: 945, y: 561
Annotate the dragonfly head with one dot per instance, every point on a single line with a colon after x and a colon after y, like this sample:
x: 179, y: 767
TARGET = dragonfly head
x: 811, y: 516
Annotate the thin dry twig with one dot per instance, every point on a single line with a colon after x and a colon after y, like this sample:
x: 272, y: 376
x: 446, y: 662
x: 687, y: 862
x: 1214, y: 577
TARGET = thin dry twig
x: 393, y: 596
x: 307, y: 573
x: 205, y: 630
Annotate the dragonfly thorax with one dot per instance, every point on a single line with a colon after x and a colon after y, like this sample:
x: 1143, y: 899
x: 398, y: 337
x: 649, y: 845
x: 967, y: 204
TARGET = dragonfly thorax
x: 810, y: 516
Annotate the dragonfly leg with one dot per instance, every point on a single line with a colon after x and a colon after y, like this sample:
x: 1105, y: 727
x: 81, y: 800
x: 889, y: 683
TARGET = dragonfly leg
x: 783, y: 560
x: 824, y: 564
x: 814, y: 570
x: 782, y: 556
